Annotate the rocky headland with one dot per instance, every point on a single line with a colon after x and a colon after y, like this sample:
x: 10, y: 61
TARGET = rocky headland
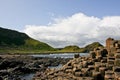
x: 102, y: 64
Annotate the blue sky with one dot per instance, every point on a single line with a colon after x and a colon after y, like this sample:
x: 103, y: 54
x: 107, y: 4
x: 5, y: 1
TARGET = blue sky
x: 63, y: 22
x: 15, y: 14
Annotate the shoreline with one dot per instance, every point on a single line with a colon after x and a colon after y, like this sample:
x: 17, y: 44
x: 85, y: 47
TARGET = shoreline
x: 11, y: 66
x: 35, y: 53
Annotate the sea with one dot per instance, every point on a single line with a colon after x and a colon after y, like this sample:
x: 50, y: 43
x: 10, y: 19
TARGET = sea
x: 57, y: 55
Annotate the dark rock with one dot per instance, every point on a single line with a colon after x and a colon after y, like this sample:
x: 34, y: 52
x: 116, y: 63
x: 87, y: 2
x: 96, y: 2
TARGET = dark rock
x: 3, y: 72
x: 76, y: 55
x: 97, y: 76
x: 22, y: 70
x: 1, y: 78
x: 92, y: 54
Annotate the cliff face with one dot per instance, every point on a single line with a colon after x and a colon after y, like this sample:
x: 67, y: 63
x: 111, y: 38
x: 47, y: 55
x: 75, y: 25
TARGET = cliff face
x: 12, y: 39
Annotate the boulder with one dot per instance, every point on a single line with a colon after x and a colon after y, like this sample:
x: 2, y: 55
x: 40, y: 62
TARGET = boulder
x: 97, y: 76
x: 91, y: 67
x: 116, y: 69
x: 78, y: 74
x: 117, y: 55
x: 117, y: 62
x: 102, y: 70
x: 117, y: 75
x: 76, y: 55
x: 85, y: 64
x: 97, y: 65
x: 92, y: 54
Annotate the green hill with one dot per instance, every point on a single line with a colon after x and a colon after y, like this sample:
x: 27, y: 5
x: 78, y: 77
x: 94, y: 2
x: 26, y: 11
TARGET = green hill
x: 74, y: 48
x: 11, y: 40
x: 91, y: 46
x: 71, y: 48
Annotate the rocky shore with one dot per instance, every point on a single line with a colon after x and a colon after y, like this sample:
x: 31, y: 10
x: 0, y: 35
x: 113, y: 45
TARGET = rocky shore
x: 101, y: 64
x: 12, y: 66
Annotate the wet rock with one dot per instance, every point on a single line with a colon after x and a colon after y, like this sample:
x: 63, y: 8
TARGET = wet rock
x: 22, y: 70
x: 1, y: 78
x: 76, y: 55
x: 92, y: 54
x: 4, y: 72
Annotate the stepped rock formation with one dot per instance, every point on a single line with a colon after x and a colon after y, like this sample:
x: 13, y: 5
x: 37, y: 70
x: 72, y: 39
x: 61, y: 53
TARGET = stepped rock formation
x: 101, y: 64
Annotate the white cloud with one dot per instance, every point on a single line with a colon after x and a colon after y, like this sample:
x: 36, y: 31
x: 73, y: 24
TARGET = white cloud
x: 78, y: 29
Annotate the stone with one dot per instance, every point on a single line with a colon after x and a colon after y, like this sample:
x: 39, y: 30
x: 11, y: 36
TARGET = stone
x: 85, y: 71
x: 109, y: 43
x: 78, y: 74
x: 92, y: 54
x: 97, y: 65
x: 117, y: 55
x: 69, y: 67
x: 104, y: 52
x: 86, y: 78
x: 103, y: 61
x: 118, y: 51
x: 110, y: 72
x: 110, y: 54
x: 113, y: 49
x: 103, y: 64
x: 109, y: 67
x: 68, y: 70
x: 109, y: 75
x: 91, y: 67
x: 76, y: 55
x: 99, y: 58
x: 1, y: 78
x: 102, y: 70
x: 116, y: 69
x: 117, y: 62
x: 117, y: 75
x: 111, y: 58
x: 76, y: 70
x: 85, y: 64
x: 97, y: 76
x: 110, y: 62
x: 98, y: 53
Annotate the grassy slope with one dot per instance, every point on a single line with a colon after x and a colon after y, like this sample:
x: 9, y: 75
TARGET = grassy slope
x: 14, y: 41
x: 91, y: 46
x: 75, y: 48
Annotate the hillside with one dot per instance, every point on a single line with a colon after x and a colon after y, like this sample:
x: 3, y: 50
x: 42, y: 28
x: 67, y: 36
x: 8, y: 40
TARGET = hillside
x: 91, y: 46
x: 74, y: 48
x: 14, y: 40
x: 71, y: 48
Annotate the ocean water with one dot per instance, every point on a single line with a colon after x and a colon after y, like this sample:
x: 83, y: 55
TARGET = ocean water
x: 60, y: 55
x: 27, y: 76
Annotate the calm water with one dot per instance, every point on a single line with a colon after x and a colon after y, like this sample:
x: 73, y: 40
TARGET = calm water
x: 62, y: 55
x: 27, y: 76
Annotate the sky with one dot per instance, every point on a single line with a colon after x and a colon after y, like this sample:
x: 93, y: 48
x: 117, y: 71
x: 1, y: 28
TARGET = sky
x: 63, y: 22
